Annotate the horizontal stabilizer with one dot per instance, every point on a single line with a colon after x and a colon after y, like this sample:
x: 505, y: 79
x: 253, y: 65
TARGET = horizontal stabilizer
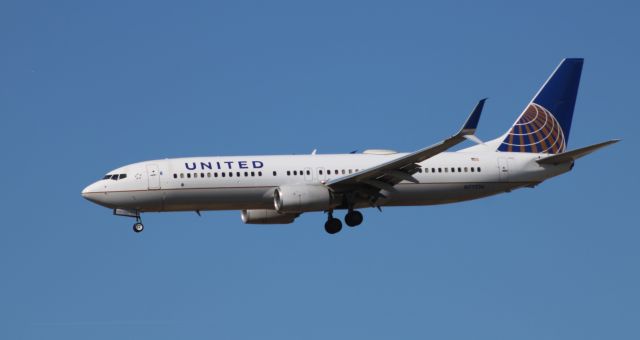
x: 571, y: 156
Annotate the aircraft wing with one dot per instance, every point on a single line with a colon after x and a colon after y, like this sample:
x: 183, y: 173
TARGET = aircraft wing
x: 386, y: 175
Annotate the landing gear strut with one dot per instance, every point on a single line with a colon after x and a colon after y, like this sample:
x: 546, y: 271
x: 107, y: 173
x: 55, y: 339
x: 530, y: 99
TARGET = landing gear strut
x: 353, y: 218
x: 333, y: 225
x: 138, y: 226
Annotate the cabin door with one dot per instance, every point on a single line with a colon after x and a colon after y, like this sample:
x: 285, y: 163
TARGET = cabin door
x: 308, y: 174
x: 503, y: 169
x: 153, y: 174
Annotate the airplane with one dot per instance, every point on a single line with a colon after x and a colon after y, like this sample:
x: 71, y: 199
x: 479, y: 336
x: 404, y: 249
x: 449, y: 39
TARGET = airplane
x: 277, y: 189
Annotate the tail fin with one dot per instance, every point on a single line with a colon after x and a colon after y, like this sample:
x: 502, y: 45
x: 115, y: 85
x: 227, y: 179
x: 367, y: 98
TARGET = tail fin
x: 544, y: 125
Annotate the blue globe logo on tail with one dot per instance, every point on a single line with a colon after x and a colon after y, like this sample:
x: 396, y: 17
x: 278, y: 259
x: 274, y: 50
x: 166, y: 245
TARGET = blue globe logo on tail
x: 537, y: 131
x: 545, y: 124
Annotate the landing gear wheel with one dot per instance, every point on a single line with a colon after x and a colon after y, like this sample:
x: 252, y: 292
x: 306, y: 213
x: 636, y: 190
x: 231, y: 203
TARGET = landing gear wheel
x: 353, y: 218
x: 333, y: 225
x: 138, y: 227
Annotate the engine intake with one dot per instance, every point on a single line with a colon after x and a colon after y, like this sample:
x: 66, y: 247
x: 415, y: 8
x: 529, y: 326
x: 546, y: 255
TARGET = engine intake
x: 302, y: 198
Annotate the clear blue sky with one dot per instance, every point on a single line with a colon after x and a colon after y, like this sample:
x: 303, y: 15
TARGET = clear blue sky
x: 89, y: 86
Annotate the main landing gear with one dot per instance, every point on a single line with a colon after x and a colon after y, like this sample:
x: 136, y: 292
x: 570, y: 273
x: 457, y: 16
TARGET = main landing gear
x: 334, y: 225
x: 353, y: 218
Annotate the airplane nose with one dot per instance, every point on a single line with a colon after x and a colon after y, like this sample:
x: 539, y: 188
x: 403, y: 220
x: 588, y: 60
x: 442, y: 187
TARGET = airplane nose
x: 85, y: 191
x: 91, y: 193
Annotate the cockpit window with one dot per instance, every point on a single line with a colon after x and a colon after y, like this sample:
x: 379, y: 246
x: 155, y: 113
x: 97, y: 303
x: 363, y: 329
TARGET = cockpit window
x: 115, y: 177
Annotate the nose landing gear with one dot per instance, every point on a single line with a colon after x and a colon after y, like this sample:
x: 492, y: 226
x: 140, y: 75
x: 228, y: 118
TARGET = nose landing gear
x: 138, y: 227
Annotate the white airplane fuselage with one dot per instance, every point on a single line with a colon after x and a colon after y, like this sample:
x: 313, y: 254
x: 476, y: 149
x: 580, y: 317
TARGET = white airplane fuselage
x: 277, y: 189
x: 195, y: 184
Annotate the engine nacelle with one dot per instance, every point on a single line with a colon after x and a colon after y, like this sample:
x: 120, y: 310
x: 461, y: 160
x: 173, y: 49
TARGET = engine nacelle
x: 302, y: 198
x: 266, y: 216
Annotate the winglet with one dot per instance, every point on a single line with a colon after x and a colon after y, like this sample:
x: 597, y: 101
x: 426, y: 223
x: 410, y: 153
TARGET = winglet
x: 469, y: 127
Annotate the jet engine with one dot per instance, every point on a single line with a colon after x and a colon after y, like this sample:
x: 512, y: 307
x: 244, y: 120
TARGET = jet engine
x: 302, y: 198
x: 266, y: 216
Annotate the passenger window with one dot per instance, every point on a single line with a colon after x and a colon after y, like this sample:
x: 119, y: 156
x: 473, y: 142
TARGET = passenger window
x: 350, y: 171
x: 202, y: 175
x: 433, y: 169
x: 426, y: 170
x: 446, y: 169
x: 453, y: 169
x: 472, y: 168
x: 224, y: 174
x: 181, y: 175
x: 259, y: 173
x: 230, y: 174
x: 189, y: 175
x: 175, y: 175
x: 465, y: 169
x: 320, y: 172
x: 459, y: 169
x: 295, y: 172
x: 253, y: 174
x: 215, y: 174
x: 301, y: 173
x: 439, y: 169
x: 343, y: 171
x: 238, y: 174
x: 274, y: 173
x: 208, y: 175
x: 335, y: 172
x: 246, y: 174
x: 478, y: 169
x: 308, y: 172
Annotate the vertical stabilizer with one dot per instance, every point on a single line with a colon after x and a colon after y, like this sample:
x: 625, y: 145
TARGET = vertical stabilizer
x: 545, y: 124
